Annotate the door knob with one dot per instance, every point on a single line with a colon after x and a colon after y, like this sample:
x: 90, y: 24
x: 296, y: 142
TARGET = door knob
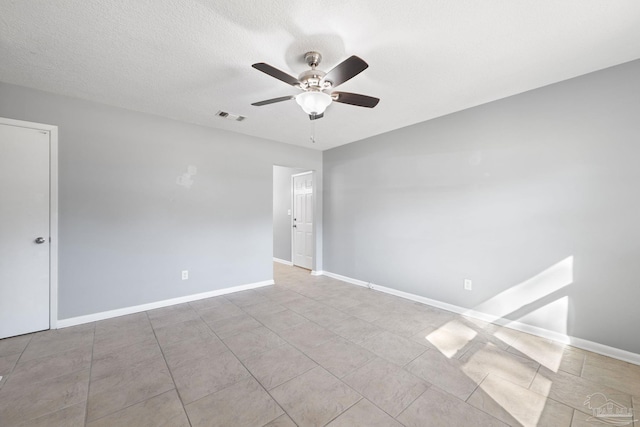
x: 294, y: 226
x: 40, y: 240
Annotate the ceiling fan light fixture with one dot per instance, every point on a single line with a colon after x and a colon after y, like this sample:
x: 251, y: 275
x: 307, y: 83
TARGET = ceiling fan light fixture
x: 313, y: 102
x: 317, y: 85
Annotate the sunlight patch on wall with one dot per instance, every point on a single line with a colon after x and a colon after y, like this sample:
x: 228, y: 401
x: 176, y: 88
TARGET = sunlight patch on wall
x: 550, y: 280
x: 552, y: 316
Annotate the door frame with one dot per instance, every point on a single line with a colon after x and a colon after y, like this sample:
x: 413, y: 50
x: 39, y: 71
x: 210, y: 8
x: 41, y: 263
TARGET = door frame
x: 293, y: 207
x: 53, y: 210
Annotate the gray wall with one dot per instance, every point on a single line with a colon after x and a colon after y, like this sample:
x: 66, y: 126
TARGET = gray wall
x: 499, y: 194
x: 127, y: 228
x: 281, y: 208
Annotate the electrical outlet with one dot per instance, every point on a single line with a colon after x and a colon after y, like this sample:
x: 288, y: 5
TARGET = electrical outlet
x: 185, y: 274
x: 468, y: 285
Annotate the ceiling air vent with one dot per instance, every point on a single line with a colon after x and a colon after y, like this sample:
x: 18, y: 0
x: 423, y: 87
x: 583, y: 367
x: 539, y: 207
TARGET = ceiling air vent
x: 230, y: 116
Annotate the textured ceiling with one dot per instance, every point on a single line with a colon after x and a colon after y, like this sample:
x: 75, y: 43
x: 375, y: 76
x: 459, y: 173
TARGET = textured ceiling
x: 187, y: 59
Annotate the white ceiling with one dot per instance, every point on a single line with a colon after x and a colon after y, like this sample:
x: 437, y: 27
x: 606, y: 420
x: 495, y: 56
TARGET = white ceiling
x: 187, y: 59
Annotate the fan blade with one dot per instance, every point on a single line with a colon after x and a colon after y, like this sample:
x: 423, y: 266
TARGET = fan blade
x: 346, y: 70
x: 355, y: 99
x: 316, y: 116
x: 274, y: 72
x: 272, y: 101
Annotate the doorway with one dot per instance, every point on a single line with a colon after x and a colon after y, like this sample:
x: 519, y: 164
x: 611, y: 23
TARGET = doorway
x: 284, y: 199
x: 28, y: 234
x: 302, y: 220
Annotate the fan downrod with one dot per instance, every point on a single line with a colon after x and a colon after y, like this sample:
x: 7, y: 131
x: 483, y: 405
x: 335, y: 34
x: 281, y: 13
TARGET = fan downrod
x: 312, y: 59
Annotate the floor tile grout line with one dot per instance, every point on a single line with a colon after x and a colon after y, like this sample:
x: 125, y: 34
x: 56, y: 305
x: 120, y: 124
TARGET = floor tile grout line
x: 584, y: 363
x: 365, y: 397
x: 567, y: 404
x: 86, y: 403
x: 292, y: 345
x: 175, y: 386
x: 8, y: 374
x: 534, y: 377
x: 296, y: 376
x: 411, y: 403
x: 429, y: 385
x: 322, y: 343
x: 330, y: 373
x: 346, y: 410
x: 350, y: 372
x: 573, y: 414
x: 21, y: 354
x: 62, y: 408
x: 302, y: 373
x: 479, y: 409
x: 412, y: 360
x: 243, y: 365
x: 58, y: 376
x: 266, y: 391
x: 535, y: 392
x: 124, y: 408
x: 477, y: 387
x: 247, y: 369
x: 592, y: 381
x: 54, y: 355
x: 135, y: 403
x: 239, y: 381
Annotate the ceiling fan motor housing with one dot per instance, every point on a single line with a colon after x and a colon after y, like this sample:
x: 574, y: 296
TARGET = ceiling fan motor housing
x: 313, y: 80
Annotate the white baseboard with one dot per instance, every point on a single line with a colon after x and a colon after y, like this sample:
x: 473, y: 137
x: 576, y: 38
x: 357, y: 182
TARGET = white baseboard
x: 346, y: 279
x: 282, y: 261
x: 73, y: 321
x: 594, y: 347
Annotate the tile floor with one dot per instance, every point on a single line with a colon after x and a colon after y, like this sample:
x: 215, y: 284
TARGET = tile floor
x: 308, y: 351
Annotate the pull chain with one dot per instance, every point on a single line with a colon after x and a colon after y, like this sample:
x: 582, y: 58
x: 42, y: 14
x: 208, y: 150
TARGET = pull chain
x: 313, y: 131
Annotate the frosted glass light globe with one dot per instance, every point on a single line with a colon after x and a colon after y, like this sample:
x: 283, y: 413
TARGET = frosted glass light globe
x: 313, y: 102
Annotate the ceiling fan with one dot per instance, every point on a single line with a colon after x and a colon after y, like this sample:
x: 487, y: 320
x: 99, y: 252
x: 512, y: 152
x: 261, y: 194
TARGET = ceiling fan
x: 316, y: 85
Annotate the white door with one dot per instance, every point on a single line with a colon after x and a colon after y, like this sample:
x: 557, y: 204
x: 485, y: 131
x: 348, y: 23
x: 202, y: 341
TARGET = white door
x: 24, y: 230
x: 303, y: 240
